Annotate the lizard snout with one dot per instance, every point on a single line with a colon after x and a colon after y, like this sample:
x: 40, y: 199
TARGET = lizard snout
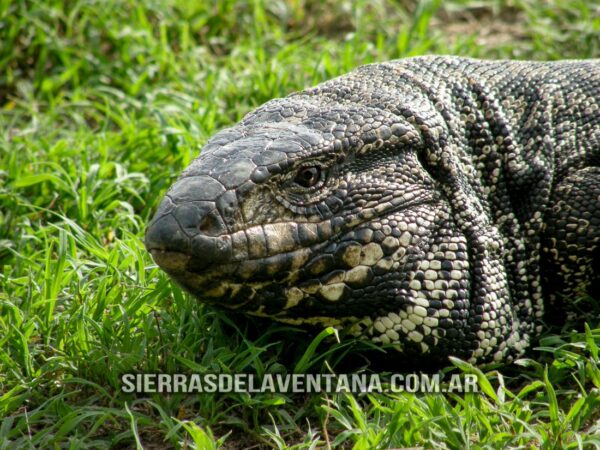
x: 180, y: 233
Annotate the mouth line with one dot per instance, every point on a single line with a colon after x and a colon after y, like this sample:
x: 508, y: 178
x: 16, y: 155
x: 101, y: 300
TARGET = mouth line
x: 178, y: 262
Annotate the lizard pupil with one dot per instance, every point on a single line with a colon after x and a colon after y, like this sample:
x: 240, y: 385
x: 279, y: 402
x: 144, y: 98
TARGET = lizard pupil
x: 308, y: 176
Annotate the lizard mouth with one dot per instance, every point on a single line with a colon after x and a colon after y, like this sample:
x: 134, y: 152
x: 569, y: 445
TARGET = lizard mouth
x: 262, y: 251
x: 271, y: 268
x: 170, y: 261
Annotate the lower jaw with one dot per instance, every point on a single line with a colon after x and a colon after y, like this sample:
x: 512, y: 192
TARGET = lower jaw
x: 171, y: 262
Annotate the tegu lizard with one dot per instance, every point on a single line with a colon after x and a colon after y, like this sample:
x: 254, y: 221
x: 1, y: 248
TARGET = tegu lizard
x: 437, y: 203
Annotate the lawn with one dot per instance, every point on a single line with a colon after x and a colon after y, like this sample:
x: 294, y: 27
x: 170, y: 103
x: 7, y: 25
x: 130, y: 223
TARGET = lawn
x: 102, y: 105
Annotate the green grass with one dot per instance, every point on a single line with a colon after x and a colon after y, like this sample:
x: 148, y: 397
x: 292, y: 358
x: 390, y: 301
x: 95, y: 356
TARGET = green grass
x: 102, y: 104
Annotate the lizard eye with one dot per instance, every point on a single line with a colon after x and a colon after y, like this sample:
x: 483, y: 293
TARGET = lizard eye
x: 308, y: 176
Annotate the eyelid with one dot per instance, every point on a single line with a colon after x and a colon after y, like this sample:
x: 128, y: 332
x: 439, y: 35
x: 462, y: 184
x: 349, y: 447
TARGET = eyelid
x: 296, y: 188
x: 303, y: 200
x: 307, y: 164
x: 321, y: 168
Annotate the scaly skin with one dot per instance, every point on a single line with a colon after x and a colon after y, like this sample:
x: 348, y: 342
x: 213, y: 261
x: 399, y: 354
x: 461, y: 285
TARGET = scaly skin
x: 431, y: 202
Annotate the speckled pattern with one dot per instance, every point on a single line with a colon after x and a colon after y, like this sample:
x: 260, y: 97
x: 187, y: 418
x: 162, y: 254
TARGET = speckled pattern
x: 430, y: 202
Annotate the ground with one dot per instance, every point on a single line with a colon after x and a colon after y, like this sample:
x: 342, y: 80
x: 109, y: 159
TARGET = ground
x: 102, y: 104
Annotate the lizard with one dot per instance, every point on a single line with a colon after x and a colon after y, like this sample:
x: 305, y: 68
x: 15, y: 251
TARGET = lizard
x: 441, y: 205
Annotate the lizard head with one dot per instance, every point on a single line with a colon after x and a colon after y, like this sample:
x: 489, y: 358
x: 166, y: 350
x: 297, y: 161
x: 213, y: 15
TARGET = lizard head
x: 322, y: 213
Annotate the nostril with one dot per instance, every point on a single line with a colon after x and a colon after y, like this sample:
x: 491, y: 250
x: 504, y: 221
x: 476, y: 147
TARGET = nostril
x: 205, y: 225
x: 199, y: 217
x: 211, y: 224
